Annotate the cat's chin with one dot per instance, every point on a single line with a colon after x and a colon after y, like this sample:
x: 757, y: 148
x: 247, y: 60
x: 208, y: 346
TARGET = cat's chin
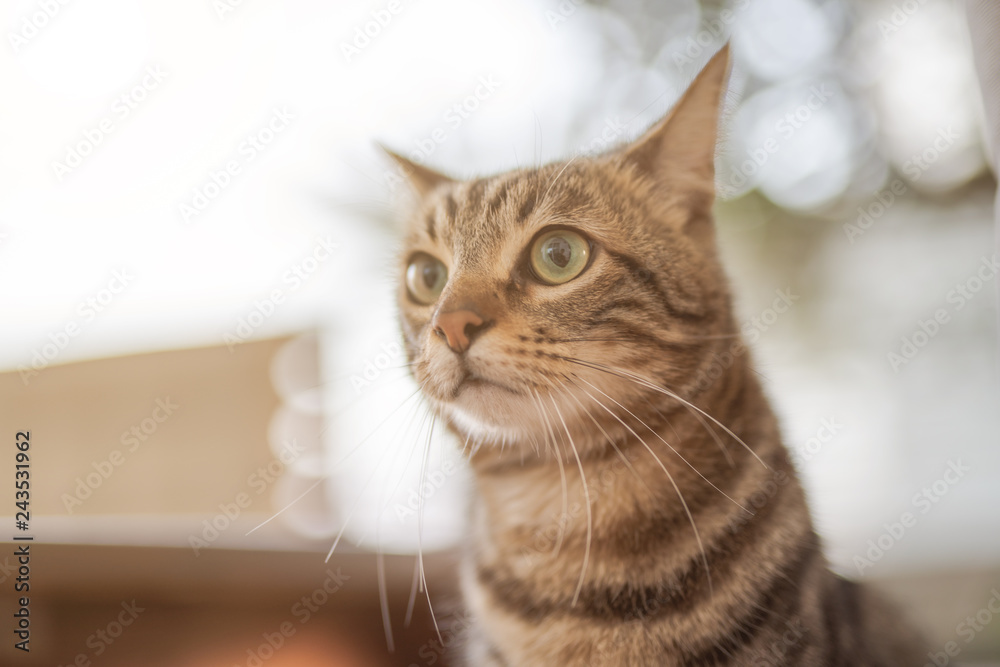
x: 490, y: 415
x: 487, y: 412
x: 479, y: 430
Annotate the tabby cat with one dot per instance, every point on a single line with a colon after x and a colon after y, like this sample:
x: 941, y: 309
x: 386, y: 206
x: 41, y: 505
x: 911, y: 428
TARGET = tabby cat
x: 630, y: 508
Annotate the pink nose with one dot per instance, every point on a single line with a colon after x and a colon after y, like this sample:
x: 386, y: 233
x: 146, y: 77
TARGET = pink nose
x: 458, y: 327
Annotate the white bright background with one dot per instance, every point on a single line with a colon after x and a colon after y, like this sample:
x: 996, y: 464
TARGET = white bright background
x: 563, y: 73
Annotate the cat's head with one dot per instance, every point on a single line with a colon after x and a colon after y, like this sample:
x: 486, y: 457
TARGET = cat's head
x: 537, y: 302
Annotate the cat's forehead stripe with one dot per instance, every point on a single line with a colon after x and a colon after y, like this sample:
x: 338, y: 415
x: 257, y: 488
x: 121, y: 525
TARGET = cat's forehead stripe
x: 475, y: 218
x: 498, y: 196
x: 431, y: 232
x: 527, y: 206
x: 474, y: 194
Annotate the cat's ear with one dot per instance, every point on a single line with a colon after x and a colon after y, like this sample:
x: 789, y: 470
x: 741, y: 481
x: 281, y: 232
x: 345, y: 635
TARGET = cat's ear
x: 422, y: 179
x: 680, y: 149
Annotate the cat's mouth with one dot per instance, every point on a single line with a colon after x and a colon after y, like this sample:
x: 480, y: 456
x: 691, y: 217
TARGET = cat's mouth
x: 471, y: 380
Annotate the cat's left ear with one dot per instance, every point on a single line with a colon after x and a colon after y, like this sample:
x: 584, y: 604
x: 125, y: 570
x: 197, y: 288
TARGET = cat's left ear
x: 422, y: 179
x: 678, y: 153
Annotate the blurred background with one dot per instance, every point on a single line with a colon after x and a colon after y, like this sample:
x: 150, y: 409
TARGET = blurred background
x: 194, y: 207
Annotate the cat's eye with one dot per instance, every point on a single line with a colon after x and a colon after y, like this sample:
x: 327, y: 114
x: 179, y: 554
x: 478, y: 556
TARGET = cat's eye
x: 559, y: 255
x: 425, y: 278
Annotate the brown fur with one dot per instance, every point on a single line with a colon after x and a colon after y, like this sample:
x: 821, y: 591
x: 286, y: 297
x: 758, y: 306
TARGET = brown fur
x: 615, y: 522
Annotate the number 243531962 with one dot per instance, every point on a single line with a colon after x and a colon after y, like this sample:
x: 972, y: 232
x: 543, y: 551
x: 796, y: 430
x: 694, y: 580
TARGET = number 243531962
x: 22, y: 478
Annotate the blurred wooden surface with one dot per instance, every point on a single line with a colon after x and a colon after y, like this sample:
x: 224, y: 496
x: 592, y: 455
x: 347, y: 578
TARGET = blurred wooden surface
x: 186, y: 457
x: 225, y: 607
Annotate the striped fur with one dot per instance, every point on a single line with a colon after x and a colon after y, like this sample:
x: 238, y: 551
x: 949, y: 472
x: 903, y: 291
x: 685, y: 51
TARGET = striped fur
x: 630, y: 508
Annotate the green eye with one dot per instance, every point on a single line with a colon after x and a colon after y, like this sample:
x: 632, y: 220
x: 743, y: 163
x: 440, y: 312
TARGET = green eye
x: 559, y: 255
x: 425, y: 278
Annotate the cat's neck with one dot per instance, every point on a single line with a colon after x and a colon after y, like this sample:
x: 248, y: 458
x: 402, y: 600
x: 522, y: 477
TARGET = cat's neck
x: 686, y: 462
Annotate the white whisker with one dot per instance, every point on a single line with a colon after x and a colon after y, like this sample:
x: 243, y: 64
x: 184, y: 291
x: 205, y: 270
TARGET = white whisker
x: 586, y: 495
x: 687, y: 510
x: 541, y: 209
x: 383, y: 597
x: 420, y: 530
x: 621, y: 455
x: 562, y: 472
x: 649, y: 383
x: 326, y: 476
x: 412, y: 601
x: 671, y: 448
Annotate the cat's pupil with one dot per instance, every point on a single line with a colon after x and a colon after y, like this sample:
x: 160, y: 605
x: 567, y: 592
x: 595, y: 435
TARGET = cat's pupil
x: 559, y: 252
x: 430, y: 275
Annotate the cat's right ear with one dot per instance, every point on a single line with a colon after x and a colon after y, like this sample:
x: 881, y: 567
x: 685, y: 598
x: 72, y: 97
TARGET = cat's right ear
x: 679, y: 150
x: 422, y: 179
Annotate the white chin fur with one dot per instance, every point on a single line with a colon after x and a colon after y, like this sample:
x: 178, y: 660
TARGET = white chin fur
x: 478, y: 430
